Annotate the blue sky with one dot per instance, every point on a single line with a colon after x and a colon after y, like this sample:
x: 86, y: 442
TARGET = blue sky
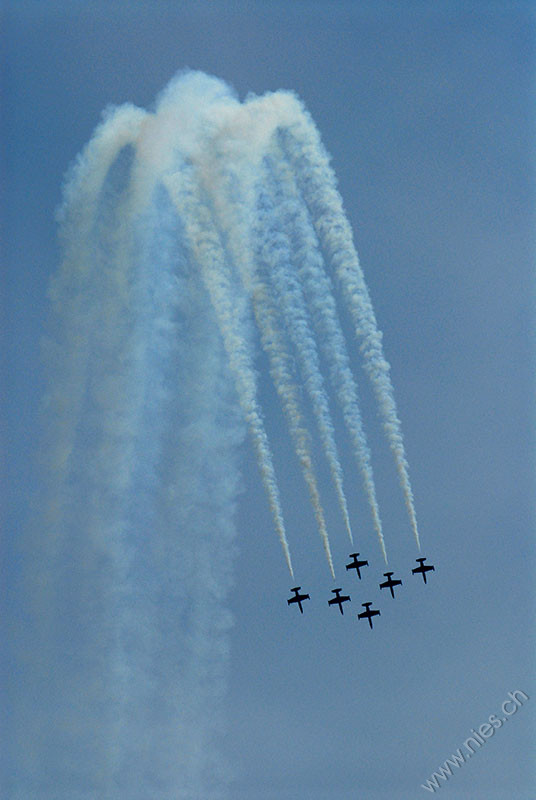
x: 427, y: 114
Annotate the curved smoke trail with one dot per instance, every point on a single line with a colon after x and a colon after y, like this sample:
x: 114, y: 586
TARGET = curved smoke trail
x: 82, y: 224
x: 275, y: 253
x: 302, y: 144
x: 180, y: 246
x: 230, y: 178
x: 319, y: 295
x: 209, y: 253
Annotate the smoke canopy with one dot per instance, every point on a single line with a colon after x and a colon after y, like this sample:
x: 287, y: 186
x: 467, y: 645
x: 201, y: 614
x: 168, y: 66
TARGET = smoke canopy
x: 188, y: 234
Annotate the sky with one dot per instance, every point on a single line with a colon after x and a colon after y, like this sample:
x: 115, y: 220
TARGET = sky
x: 427, y: 114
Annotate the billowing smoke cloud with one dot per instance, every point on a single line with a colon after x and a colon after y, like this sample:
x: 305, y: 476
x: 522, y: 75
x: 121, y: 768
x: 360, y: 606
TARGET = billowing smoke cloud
x: 187, y: 233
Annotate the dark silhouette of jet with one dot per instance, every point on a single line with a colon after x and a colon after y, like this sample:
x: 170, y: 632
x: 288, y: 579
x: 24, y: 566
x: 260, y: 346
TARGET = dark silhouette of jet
x: 368, y: 614
x: 298, y: 598
x: 422, y: 568
x: 355, y: 564
x: 389, y: 583
x: 339, y: 599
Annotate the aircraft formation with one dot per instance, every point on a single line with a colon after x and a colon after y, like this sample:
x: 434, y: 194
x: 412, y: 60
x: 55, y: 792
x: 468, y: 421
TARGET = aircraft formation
x: 338, y: 599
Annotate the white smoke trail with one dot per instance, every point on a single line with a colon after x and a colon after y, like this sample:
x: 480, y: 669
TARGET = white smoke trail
x: 191, y: 124
x: 302, y: 144
x: 230, y: 310
x: 67, y: 357
x: 98, y: 383
x: 197, y: 487
x: 234, y: 193
x: 274, y: 250
x: 319, y: 295
x: 145, y: 263
x: 285, y: 384
x: 131, y: 299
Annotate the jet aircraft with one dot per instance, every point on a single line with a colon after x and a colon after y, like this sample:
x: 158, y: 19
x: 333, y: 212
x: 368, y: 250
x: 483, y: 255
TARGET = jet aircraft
x: 422, y: 568
x: 298, y: 598
x: 390, y: 583
x: 356, y: 564
x: 339, y: 599
x: 368, y: 614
